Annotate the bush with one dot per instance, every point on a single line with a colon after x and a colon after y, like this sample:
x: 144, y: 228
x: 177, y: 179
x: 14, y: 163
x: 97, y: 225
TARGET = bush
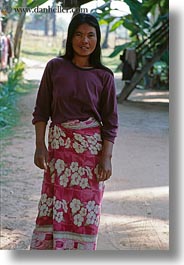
x: 8, y: 96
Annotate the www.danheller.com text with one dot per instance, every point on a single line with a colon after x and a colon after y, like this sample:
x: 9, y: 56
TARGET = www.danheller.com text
x: 48, y: 9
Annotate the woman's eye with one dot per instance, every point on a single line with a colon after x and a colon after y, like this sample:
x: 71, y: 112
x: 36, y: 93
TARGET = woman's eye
x: 78, y: 34
x: 91, y: 35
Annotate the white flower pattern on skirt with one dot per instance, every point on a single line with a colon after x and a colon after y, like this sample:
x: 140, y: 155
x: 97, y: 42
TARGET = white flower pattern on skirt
x: 92, y: 143
x: 72, y: 174
x: 44, y: 205
x: 71, y: 195
x: 60, y: 166
x: 59, y: 208
x: 85, y: 214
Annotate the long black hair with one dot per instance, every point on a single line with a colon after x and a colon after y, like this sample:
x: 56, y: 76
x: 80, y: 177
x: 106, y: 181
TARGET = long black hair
x: 77, y: 20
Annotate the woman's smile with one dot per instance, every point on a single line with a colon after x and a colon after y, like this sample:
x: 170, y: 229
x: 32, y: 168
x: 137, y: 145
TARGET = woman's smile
x: 84, y: 40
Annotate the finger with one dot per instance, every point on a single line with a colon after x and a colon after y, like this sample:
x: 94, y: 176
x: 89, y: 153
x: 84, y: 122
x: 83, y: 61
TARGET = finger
x: 106, y: 175
x: 99, y: 173
x: 44, y: 165
x: 109, y: 173
x: 40, y: 162
x: 102, y: 176
x: 46, y: 158
x: 45, y: 161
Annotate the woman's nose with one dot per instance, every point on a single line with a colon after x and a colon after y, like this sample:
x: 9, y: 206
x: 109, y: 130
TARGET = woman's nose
x: 85, y: 39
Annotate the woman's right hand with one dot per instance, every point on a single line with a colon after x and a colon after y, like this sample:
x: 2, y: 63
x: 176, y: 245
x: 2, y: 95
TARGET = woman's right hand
x: 41, y: 157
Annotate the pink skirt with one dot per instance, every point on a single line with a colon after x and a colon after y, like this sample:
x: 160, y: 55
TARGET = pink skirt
x: 70, y: 205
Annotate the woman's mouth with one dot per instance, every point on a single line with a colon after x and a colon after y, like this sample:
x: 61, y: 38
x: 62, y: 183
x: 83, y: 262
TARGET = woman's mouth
x: 84, y: 48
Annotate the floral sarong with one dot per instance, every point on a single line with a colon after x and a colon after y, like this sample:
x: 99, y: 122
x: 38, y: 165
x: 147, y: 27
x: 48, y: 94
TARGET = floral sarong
x: 70, y: 205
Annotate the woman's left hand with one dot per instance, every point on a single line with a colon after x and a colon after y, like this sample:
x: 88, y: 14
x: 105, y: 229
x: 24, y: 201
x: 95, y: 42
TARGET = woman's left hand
x: 104, y: 168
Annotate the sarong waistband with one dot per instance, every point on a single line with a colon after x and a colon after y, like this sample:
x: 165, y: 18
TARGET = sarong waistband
x: 77, y: 124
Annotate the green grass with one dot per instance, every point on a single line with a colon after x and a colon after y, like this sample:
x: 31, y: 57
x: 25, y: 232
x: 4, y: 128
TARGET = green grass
x: 40, y: 48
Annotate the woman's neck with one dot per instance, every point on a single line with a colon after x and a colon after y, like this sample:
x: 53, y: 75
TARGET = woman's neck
x: 82, y: 62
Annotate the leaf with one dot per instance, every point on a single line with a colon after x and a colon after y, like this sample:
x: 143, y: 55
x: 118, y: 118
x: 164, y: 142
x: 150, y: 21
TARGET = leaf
x: 33, y: 4
x: 116, y: 25
x: 131, y: 26
x: 29, y: 4
x: 102, y: 22
x: 120, y: 48
x: 136, y: 9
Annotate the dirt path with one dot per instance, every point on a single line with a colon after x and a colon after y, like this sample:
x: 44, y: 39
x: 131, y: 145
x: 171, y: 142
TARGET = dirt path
x: 135, y: 207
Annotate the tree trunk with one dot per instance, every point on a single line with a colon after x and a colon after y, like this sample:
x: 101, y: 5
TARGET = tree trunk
x: 105, y: 43
x: 19, y: 31
x: 54, y: 33
x: 46, y: 28
x: 18, y: 35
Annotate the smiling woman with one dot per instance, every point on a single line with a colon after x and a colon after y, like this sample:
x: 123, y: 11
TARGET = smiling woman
x: 84, y: 43
x: 78, y: 94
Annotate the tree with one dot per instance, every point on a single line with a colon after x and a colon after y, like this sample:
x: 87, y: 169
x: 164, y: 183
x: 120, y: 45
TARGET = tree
x: 144, y: 18
x: 54, y: 33
x: 104, y: 19
x: 105, y: 42
x: 19, y: 31
x: 9, y: 12
x: 46, y: 22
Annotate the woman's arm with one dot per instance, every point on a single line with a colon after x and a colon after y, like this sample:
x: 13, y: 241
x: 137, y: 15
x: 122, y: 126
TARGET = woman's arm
x: 108, y: 110
x: 105, y: 166
x: 41, y: 152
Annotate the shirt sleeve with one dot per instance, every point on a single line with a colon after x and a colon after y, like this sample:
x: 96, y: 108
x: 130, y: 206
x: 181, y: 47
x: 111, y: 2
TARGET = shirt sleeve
x: 108, y: 109
x: 42, y: 110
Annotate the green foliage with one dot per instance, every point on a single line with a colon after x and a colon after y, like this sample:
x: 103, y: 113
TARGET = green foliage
x: 30, y: 3
x: 8, y: 97
x: 15, y: 77
x: 138, y: 23
x: 138, y: 12
x: 145, y: 17
x: 119, y: 48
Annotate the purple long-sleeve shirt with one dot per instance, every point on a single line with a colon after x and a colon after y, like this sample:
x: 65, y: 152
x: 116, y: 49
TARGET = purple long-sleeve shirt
x: 67, y: 92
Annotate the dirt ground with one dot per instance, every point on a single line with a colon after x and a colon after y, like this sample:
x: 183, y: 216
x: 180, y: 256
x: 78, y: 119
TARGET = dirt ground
x: 135, y: 208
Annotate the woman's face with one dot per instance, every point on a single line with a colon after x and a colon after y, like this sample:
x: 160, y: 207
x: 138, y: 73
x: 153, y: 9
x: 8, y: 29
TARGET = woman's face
x: 84, y: 40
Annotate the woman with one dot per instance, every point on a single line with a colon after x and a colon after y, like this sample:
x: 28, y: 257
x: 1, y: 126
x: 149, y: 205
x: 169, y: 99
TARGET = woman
x: 78, y: 94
